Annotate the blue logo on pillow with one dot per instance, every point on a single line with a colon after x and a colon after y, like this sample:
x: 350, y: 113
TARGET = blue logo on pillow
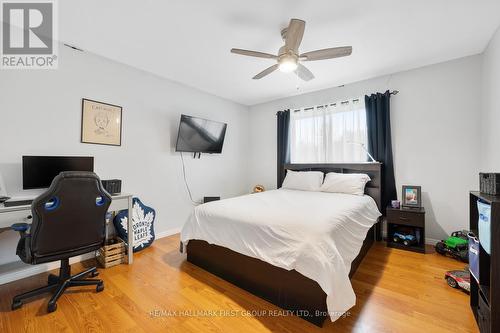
x: 142, y: 223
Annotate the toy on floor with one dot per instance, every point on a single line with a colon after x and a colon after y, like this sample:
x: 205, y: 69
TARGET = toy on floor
x: 459, y: 279
x: 457, y: 246
x: 407, y: 239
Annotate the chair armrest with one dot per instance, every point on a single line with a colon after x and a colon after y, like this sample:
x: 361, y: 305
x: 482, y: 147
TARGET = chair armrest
x: 20, y: 227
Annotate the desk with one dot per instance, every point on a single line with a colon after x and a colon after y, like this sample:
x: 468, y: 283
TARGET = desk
x: 19, y: 214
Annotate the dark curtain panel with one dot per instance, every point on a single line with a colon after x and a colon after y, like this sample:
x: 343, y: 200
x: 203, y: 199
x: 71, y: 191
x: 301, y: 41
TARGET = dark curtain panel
x: 378, y: 118
x: 283, y: 143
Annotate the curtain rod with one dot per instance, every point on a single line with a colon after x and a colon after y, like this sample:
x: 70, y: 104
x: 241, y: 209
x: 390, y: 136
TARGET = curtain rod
x: 394, y: 93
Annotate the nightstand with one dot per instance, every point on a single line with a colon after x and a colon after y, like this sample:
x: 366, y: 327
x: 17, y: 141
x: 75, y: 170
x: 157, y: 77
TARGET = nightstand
x: 399, y: 221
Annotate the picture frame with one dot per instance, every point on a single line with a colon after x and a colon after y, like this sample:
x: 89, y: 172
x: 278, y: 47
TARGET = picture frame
x: 411, y: 196
x: 101, y: 123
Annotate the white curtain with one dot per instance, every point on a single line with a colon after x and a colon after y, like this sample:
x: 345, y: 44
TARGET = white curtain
x: 329, y: 133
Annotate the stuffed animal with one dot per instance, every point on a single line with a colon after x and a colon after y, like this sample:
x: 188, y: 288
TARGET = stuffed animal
x: 258, y: 189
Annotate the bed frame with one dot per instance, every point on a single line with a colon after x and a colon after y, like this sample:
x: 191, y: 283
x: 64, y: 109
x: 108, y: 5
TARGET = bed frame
x: 289, y: 290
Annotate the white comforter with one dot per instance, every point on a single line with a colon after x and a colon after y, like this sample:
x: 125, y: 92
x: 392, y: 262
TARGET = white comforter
x: 318, y: 234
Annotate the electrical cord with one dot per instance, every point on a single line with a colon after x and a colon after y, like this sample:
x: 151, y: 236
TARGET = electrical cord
x: 186, y: 182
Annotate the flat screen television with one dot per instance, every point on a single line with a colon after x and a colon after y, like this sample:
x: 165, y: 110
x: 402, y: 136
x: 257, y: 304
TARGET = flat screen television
x: 198, y: 135
x: 39, y: 171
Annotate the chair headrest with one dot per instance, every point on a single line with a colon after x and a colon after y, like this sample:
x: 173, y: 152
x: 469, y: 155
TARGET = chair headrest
x: 77, y: 174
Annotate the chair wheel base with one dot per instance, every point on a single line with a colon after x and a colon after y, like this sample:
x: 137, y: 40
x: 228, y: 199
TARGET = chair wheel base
x: 58, y: 284
x: 52, y: 307
x: 16, y: 305
x: 94, y: 274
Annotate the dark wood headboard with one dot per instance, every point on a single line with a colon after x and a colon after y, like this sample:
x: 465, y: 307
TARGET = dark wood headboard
x: 373, y: 170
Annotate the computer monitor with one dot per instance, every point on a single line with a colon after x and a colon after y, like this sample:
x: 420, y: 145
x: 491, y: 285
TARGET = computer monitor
x: 39, y: 171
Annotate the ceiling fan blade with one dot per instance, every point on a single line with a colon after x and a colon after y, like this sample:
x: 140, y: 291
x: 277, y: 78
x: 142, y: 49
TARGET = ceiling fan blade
x: 304, y: 73
x: 334, y: 52
x: 254, y: 54
x: 266, y: 71
x: 294, y: 34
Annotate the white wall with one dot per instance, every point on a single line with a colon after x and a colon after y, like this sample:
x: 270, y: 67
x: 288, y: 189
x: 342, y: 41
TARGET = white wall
x: 40, y: 114
x: 435, y: 130
x: 490, y: 99
x: 435, y: 123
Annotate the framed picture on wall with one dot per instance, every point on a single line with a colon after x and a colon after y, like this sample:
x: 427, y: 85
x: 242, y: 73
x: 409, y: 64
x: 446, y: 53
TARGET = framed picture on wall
x: 101, y: 123
x: 412, y: 196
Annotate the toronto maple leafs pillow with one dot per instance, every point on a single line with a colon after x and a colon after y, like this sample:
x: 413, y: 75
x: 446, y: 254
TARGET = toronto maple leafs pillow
x: 142, y: 223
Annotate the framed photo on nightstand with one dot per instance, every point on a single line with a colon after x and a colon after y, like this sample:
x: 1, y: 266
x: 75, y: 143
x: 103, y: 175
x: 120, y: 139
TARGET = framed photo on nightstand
x: 412, y: 196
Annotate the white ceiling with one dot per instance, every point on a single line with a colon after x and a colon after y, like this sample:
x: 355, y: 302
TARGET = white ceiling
x: 188, y: 41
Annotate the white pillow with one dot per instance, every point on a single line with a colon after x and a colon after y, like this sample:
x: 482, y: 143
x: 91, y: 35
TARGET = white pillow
x: 303, y: 180
x: 350, y: 183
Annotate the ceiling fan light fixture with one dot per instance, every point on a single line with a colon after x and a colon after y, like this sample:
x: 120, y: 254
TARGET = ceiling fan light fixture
x: 287, y: 64
x: 289, y: 59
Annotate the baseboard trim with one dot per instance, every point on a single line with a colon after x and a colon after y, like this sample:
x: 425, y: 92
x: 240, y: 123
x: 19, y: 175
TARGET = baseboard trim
x: 168, y: 232
x: 18, y: 270
x: 431, y: 241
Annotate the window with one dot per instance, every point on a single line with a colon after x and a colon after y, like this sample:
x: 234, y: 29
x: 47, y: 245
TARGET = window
x: 329, y: 133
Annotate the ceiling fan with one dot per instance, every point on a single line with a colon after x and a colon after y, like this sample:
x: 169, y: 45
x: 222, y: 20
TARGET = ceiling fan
x: 289, y: 59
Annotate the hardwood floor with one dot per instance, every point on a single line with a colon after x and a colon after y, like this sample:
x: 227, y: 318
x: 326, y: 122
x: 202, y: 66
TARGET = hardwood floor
x: 397, y: 291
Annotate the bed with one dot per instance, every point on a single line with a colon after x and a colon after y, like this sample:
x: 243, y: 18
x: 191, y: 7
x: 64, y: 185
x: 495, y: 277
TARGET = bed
x: 296, y: 249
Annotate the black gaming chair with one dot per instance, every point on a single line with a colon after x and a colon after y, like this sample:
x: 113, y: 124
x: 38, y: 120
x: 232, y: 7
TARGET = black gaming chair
x: 68, y: 220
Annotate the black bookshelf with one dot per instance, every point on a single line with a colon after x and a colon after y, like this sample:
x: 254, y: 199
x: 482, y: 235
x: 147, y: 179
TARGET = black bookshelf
x: 485, y: 295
